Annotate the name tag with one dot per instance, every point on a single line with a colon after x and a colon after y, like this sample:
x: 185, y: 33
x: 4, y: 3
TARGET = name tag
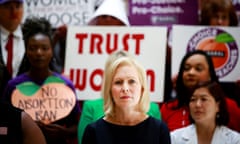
x: 3, y: 130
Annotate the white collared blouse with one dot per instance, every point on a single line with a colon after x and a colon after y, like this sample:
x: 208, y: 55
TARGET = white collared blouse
x: 222, y: 135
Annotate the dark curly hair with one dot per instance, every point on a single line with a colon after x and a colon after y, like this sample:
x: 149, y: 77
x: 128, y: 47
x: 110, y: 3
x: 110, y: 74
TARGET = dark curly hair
x: 36, y: 25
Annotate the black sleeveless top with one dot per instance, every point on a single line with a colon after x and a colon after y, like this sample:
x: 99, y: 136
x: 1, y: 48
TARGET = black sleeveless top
x: 10, y: 124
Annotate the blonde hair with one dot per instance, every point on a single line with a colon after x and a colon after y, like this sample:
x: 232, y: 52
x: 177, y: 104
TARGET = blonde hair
x: 109, y: 106
x: 115, y: 55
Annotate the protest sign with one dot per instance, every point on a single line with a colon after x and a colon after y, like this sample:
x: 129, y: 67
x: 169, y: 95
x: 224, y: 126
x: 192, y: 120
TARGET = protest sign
x: 88, y: 48
x: 221, y: 43
x: 48, y: 103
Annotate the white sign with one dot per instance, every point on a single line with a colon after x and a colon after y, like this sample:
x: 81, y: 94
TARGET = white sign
x: 88, y: 48
x: 222, y: 43
x: 59, y: 12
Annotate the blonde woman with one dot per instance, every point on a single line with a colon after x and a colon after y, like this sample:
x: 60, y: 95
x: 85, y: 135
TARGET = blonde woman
x: 126, y: 101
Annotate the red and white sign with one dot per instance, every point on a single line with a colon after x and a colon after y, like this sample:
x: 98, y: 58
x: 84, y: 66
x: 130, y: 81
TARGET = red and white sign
x: 89, y: 47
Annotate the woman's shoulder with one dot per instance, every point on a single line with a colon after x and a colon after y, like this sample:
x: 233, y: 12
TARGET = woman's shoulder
x: 93, y: 107
x: 187, y: 129
x: 66, y: 80
x: 19, y: 79
x: 63, y: 77
x: 223, y: 133
x: 171, y: 104
x: 94, y: 102
x: 183, y: 135
x: 98, y: 124
x: 154, y: 105
x: 11, y: 85
x: 231, y: 104
x: 229, y: 132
